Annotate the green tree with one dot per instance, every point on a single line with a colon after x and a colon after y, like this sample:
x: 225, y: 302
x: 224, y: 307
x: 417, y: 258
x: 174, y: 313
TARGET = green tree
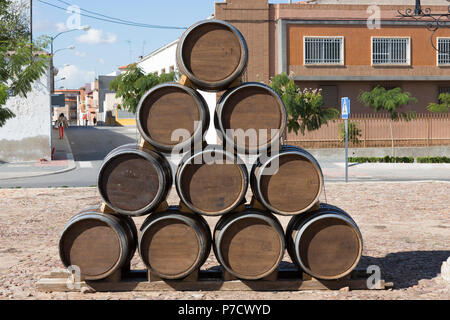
x: 354, y: 133
x: 305, y: 108
x: 389, y: 101
x: 14, y: 23
x: 19, y: 66
x: 134, y: 83
x: 443, y: 105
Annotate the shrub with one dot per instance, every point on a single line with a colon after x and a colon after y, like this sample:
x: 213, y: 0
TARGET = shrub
x: 354, y: 133
x: 433, y: 160
x: 386, y: 159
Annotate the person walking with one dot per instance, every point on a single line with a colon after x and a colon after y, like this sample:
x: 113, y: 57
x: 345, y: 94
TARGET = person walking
x: 62, y: 123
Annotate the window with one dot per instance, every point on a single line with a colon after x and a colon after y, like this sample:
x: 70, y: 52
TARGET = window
x: 324, y: 50
x: 443, y: 51
x: 391, y: 51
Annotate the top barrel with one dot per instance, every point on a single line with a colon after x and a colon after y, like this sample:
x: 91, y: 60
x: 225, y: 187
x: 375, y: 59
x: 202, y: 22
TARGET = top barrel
x: 171, y: 116
x: 212, y: 54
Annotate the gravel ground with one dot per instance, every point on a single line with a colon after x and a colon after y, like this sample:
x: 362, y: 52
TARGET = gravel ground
x: 405, y: 226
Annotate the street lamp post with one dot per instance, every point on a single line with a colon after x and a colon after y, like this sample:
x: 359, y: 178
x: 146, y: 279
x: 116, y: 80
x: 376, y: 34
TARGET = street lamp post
x: 434, y: 21
x: 52, y: 53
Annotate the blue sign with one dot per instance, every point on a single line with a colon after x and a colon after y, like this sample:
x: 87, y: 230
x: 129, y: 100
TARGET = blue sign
x: 345, y: 108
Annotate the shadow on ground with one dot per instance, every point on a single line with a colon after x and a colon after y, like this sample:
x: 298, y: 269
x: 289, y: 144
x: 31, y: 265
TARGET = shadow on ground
x: 406, y: 269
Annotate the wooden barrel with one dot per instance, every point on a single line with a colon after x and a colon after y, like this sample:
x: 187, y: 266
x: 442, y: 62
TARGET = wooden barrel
x: 212, y: 182
x: 133, y: 180
x: 326, y: 243
x: 292, y: 189
x: 173, y: 244
x: 250, y: 244
x: 169, y: 107
x: 212, y: 54
x: 99, y: 244
x: 255, y: 110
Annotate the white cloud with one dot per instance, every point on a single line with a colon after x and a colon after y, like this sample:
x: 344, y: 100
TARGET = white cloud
x: 61, y: 26
x: 75, y: 77
x: 101, y: 61
x: 95, y: 36
x: 80, y: 54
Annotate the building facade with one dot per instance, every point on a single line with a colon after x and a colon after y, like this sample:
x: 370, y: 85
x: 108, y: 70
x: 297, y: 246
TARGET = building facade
x: 27, y: 136
x: 339, y: 47
x: 70, y: 110
x: 103, y: 90
x: 160, y: 61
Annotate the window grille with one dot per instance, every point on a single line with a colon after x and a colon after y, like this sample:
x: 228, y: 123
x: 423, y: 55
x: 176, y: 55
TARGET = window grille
x: 443, y: 51
x: 324, y: 50
x: 392, y: 51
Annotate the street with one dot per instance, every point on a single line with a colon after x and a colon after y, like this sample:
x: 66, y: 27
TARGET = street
x: 89, y: 146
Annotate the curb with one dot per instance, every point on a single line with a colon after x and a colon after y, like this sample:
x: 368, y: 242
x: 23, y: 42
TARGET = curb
x: 71, y: 166
x: 384, y: 181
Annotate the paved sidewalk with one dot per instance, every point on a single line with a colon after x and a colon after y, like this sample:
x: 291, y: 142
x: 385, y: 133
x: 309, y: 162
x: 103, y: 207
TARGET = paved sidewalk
x: 62, y: 162
x: 335, y: 171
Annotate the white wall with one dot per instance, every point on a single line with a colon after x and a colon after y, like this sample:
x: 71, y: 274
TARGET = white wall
x: 164, y: 58
x: 110, y: 101
x: 27, y: 137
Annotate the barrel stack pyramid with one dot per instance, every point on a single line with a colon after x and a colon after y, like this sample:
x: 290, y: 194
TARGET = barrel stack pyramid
x: 248, y: 241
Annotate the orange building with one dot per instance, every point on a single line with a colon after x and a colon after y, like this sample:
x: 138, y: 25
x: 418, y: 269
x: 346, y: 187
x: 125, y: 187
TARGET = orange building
x: 335, y: 46
x: 70, y: 110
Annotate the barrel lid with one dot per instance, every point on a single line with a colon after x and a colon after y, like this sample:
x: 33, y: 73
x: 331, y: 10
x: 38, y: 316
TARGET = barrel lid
x: 251, y: 117
x: 171, y: 115
x: 212, y: 182
x: 328, y: 246
x: 131, y: 182
x: 251, y: 245
x: 212, y: 53
x: 171, y: 244
x: 91, y: 242
x: 290, y: 182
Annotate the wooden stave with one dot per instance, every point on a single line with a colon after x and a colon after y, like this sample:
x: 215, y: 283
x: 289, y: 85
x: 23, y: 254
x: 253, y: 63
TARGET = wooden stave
x: 127, y: 221
x: 164, y: 175
x: 124, y: 228
x: 258, y: 168
x: 211, y: 148
x: 199, y: 132
x: 219, y: 85
x: 197, y: 222
x: 226, y: 220
x: 221, y: 131
x: 293, y: 236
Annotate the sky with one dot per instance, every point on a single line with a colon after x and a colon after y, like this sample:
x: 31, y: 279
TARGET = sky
x: 107, y: 46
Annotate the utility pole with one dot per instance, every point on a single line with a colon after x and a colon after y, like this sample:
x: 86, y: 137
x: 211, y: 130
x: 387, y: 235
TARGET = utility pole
x: 52, y: 69
x: 31, y: 26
